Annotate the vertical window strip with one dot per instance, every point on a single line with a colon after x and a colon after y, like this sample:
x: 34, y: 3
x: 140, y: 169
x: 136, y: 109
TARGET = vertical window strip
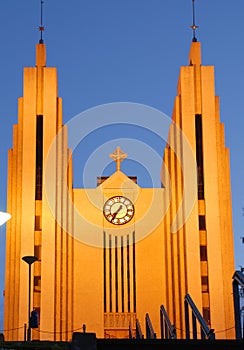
x: 134, y: 271
x: 128, y: 270
x: 104, y: 271
x: 110, y: 273
x: 116, y: 275
x: 122, y: 275
x: 39, y: 156
x: 199, y: 155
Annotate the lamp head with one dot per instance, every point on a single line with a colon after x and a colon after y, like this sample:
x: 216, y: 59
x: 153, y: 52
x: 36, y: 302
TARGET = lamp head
x: 29, y: 259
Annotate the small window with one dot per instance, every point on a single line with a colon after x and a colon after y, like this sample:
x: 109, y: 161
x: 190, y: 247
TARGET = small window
x: 37, y: 223
x: 206, y: 314
x: 202, y: 224
x: 37, y: 251
x: 37, y: 284
x: 203, y: 253
x: 38, y: 311
x: 204, y: 280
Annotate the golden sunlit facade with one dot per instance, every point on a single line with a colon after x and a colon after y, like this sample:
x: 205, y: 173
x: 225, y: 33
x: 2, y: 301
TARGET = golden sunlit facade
x: 113, y: 255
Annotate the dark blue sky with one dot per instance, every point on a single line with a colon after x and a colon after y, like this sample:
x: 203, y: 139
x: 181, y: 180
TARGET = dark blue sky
x: 124, y: 50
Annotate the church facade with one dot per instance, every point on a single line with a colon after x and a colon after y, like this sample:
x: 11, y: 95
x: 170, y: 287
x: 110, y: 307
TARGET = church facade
x: 138, y: 259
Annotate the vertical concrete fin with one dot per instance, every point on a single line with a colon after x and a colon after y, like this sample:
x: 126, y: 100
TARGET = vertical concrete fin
x: 40, y: 55
x: 195, y: 54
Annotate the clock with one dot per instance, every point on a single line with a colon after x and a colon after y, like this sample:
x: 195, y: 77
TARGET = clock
x: 118, y: 210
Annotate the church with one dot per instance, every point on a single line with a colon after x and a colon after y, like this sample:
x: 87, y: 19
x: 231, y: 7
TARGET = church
x: 108, y: 255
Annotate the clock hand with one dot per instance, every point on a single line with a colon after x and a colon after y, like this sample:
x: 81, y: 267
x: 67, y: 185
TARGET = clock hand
x: 117, y: 211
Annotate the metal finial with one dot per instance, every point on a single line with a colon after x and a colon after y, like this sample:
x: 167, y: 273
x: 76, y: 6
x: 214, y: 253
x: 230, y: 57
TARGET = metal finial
x: 194, y: 26
x: 41, y: 27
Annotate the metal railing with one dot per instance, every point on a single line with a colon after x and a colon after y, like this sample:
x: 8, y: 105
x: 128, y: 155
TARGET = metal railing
x: 150, y: 334
x: 168, y: 330
x: 139, y: 334
x: 238, y: 281
x: 206, y: 333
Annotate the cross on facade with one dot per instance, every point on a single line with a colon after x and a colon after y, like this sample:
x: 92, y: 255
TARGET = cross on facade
x: 118, y: 156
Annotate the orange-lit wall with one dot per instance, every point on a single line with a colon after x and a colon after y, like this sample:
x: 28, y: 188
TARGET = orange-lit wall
x: 68, y: 283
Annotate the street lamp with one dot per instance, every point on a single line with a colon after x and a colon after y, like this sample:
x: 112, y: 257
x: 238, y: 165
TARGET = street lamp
x: 29, y: 260
x: 4, y: 217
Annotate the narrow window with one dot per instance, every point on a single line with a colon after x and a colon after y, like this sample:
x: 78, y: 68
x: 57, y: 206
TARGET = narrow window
x: 134, y: 270
x: 199, y: 155
x: 37, y: 251
x: 202, y: 223
x: 203, y: 253
x: 37, y: 223
x: 206, y: 314
x: 37, y: 309
x: 39, y: 154
x: 110, y: 274
x: 204, y: 280
x: 122, y: 275
x: 104, y: 271
x: 116, y: 276
x: 37, y: 284
x: 128, y: 271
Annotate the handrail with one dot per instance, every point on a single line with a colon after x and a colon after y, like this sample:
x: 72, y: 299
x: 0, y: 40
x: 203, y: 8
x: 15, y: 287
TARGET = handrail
x: 238, y: 280
x: 168, y: 330
x: 205, y: 331
x: 139, y: 334
x: 149, y: 328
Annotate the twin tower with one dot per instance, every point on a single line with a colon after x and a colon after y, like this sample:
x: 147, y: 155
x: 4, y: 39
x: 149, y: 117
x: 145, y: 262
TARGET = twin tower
x: 108, y: 255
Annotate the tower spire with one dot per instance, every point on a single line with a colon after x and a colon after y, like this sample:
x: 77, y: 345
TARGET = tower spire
x: 194, y: 26
x: 41, y: 27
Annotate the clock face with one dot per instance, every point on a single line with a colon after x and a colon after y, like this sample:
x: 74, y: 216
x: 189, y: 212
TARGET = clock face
x: 118, y: 210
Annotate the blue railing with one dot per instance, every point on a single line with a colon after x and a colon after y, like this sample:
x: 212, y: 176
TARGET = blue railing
x: 168, y: 330
x: 139, y: 334
x: 149, y: 328
x: 238, y: 281
x: 206, y: 333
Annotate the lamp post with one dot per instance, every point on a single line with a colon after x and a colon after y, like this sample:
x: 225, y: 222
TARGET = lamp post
x: 29, y: 260
x: 4, y: 217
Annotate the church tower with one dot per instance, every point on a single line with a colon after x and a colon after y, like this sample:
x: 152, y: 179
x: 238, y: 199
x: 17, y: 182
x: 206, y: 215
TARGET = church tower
x: 200, y: 258
x: 33, y: 229
x: 122, y: 274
